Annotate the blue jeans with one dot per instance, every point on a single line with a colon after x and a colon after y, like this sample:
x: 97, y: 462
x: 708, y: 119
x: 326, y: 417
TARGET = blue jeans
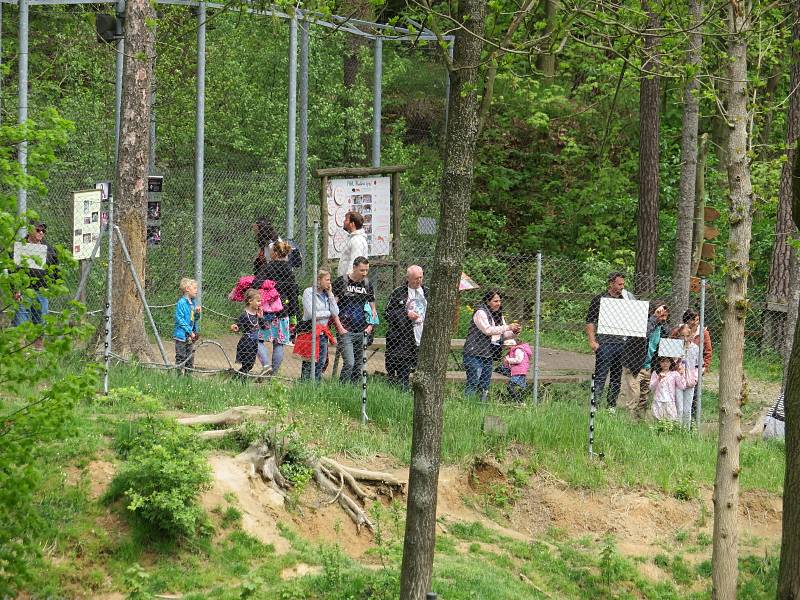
x: 305, y: 372
x: 608, y: 359
x: 479, y: 374
x: 517, y: 384
x: 31, y: 310
x: 351, y: 345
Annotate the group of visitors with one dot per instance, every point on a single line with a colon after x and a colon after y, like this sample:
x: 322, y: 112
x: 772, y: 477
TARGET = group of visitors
x: 634, y: 368
x: 345, y: 314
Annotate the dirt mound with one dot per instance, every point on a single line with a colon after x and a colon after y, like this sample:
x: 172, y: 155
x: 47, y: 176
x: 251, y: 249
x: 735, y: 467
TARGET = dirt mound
x: 641, y: 521
x: 262, y: 508
x: 99, y: 474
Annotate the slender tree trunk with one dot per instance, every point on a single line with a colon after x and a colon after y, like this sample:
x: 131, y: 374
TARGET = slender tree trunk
x: 731, y: 382
x: 354, y: 147
x: 649, y: 124
x: 686, y: 203
x: 546, y: 62
x: 778, y: 292
x: 699, y: 204
x: 130, y: 197
x: 428, y: 383
x: 769, y: 98
x: 789, y: 571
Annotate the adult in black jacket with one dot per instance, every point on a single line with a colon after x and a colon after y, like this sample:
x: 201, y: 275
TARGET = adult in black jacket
x: 278, y: 270
x: 405, y: 315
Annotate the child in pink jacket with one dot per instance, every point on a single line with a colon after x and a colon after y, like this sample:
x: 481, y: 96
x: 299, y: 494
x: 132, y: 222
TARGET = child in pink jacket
x: 665, y: 383
x: 518, y: 361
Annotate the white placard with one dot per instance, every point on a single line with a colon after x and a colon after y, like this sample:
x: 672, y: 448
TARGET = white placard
x: 672, y: 348
x: 623, y: 317
x: 369, y: 196
x: 33, y: 256
x: 85, y: 222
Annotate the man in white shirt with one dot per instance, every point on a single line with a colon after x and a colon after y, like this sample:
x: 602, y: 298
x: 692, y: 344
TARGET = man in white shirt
x: 405, y: 315
x: 356, y: 245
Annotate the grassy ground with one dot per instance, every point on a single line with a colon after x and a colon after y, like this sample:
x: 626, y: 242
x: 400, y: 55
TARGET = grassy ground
x: 89, y: 549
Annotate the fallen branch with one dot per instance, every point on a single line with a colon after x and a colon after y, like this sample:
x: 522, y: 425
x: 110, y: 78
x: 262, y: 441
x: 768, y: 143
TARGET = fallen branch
x: 232, y: 416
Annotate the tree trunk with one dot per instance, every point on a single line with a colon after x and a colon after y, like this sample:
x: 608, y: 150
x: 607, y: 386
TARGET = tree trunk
x: 699, y: 204
x: 130, y: 196
x: 428, y: 383
x: 686, y: 203
x: 546, y: 62
x: 731, y: 382
x: 789, y: 571
x: 354, y: 147
x: 775, y: 332
x: 649, y: 123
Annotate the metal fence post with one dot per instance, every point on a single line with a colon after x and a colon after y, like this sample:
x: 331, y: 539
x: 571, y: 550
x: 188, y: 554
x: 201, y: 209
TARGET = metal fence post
x: 22, y: 114
x: 109, y: 293
x: 314, y: 305
x: 292, y: 135
x: 699, y: 409
x: 199, y: 150
x: 538, y: 312
x: 120, y: 34
x: 376, y: 102
x: 303, y: 187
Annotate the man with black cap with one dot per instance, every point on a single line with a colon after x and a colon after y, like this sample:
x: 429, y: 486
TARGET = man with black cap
x: 34, y: 310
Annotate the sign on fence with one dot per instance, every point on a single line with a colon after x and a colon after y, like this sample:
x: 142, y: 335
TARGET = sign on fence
x: 366, y: 195
x: 85, y: 222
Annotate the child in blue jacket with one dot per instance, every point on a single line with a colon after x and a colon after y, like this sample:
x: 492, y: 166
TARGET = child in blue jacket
x: 187, y: 313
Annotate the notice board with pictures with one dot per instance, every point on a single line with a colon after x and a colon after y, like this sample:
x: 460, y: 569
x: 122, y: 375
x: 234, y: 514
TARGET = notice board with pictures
x: 369, y: 196
x: 86, y: 222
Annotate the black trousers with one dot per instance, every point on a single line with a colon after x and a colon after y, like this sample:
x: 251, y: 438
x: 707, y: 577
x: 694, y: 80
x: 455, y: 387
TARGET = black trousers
x: 399, y: 366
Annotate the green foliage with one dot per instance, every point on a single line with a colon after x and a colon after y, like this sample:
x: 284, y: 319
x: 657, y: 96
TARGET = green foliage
x: 36, y: 409
x: 161, y: 481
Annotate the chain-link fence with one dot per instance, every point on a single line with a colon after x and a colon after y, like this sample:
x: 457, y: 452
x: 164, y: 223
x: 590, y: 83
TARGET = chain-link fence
x: 551, y: 299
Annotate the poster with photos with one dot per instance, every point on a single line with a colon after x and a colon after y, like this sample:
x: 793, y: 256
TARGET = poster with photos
x: 85, y: 222
x: 369, y: 196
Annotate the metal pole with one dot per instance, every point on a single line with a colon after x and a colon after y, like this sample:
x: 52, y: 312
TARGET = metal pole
x: 699, y: 409
x: 140, y: 290
x: 314, y: 306
x: 447, y: 87
x: 364, y: 417
x: 118, y: 80
x: 303, y: 225
x: 592, y: 411
x: 536, y: 328
x: 22, y: 115
x: 376, y: 102
x: 1, y: 61
x: 109, y: 294
x: 290, y: 151
x: 199, y: 150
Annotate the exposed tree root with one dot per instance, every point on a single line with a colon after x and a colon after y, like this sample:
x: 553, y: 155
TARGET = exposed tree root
x: 344, y: 484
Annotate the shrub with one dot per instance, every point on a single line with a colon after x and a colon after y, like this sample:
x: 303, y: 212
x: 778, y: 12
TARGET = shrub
x: 162, y: 482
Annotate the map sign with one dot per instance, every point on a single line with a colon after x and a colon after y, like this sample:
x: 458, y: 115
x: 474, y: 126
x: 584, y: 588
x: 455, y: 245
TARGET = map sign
x: 369, y: 196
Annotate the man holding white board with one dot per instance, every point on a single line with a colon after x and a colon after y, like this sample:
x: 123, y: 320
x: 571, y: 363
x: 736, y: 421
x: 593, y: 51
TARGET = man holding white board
x: 39, y: 258
x: 608, y: 342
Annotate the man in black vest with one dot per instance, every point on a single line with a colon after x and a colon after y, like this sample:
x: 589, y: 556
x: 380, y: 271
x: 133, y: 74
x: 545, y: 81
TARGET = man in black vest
x: 405, y: 315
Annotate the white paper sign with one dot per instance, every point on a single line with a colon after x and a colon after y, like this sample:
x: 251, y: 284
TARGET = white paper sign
x: 33, y: 256
x: 368, y: 196
x: 623, y: 317
x: 85, y: 222
x: 671, y: 348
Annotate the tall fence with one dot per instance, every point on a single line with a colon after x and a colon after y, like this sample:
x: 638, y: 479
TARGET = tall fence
x: 561, y: 289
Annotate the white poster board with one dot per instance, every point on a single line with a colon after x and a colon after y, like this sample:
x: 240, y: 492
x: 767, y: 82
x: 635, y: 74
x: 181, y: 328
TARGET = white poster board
x: 85, y: 222
x: 623, y: 317
x: 369, y: 196
x: 33, y: 256
x: 671, y: 348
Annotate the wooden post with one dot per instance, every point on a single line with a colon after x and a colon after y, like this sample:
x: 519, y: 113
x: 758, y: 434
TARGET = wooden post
x: 398, y: 274
x: 323, y: 220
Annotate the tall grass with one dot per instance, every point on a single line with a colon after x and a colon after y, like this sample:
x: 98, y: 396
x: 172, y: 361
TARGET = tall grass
x: 555, y: 433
